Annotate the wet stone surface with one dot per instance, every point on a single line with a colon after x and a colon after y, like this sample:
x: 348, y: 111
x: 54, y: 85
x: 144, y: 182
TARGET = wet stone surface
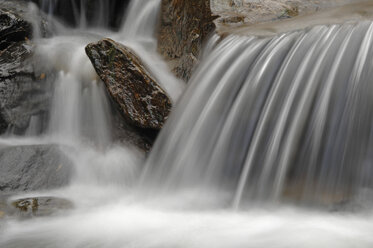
x: 140, y: 99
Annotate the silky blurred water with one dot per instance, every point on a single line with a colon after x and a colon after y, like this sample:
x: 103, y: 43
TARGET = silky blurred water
x: 270, y: 145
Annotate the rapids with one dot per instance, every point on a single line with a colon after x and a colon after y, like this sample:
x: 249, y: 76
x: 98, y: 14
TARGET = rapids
x: 269, y: 146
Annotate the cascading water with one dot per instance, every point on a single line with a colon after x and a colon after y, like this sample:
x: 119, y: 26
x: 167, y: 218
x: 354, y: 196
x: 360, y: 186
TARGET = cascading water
x: 263, y: 119
x: 83, y: 13
x: 288, y: 116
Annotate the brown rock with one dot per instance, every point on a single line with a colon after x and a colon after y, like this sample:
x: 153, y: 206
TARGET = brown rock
x: 184, y: 27
x: 142, y: 101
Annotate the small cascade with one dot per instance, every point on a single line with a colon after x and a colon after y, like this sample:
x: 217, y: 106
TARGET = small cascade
x: 85, y: 13
x: 275, y: 118
x: 48, y: 6
x: 140, y: 20
x: 80, y: 114
x: 77, y: 93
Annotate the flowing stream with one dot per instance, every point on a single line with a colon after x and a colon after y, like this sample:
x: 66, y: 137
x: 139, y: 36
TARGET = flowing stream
x: 269, y: 146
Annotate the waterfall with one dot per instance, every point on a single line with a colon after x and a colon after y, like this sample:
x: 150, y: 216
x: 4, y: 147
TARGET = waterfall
x: 267, y: 119
x: 270, y: 144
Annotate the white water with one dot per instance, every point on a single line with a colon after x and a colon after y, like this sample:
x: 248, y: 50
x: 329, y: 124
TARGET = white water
x: 110, y: 213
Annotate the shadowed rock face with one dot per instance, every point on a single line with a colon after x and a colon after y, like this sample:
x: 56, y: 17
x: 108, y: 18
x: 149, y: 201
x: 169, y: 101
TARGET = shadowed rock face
x: 141, y: 100
x: 12, y: 27
x: 184, y: 27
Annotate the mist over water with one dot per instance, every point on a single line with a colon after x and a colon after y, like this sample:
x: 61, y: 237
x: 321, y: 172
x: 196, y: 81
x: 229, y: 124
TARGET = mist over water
x: 269, y: 146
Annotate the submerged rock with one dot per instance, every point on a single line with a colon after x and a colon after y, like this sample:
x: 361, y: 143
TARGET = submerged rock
x: 141, y: 100
x: 36, y: 167
x: 40, y: 206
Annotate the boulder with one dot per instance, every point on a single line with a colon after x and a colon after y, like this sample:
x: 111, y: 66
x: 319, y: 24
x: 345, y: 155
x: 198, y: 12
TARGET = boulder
x: 142, y: 101
x: 24, y: 86
x: 184, y: 27
x: 36, y: 167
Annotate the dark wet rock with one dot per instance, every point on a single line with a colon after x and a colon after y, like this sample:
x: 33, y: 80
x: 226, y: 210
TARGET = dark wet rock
x: 19, y: 21
x: 23, y: 86
x: 14, y: 60
x: 142, y: 101
x: 12, y: 27
x: 21, y: 98
x: 36, y: 167
x: 40, y: 206
x: 24, y: 91
x: 185, y: 25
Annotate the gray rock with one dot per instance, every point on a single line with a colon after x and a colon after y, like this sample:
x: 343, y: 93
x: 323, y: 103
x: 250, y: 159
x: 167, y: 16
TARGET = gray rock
x: 36, y: 167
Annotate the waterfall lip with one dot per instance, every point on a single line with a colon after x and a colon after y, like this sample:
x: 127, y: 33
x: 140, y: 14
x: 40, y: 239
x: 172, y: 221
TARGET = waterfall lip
x: 350, y: 13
